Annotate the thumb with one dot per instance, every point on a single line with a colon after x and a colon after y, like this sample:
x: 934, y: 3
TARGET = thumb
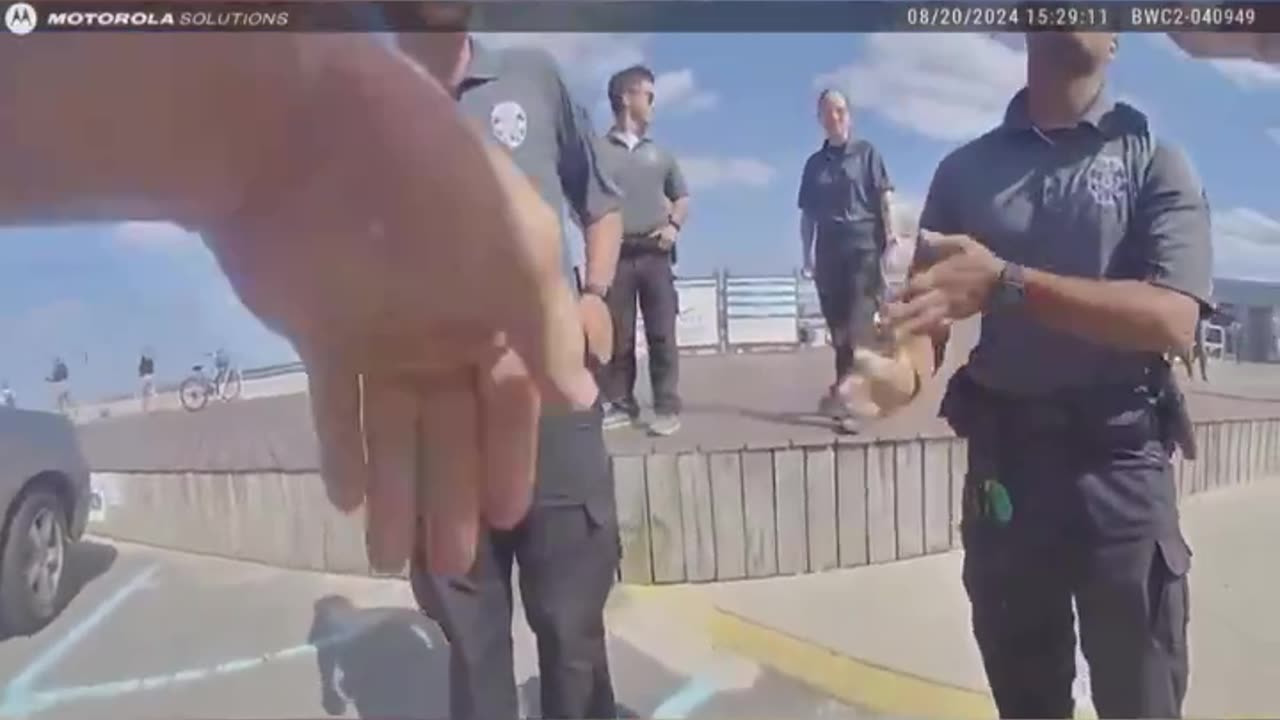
x: 538, y: 309
x: 939, y: 246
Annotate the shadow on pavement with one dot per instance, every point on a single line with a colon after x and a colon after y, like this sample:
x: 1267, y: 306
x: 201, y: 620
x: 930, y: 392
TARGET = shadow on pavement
x: 394, y: 663
x: 86, y: 561
x: 385, y: 663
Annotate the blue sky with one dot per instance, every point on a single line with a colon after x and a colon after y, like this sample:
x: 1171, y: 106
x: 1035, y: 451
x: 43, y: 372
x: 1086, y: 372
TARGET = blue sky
x: 738, y: 111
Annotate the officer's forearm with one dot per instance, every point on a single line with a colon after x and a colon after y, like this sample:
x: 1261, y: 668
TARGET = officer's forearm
x: 604, y: 242
x: 1124, y: 314
x: 680, y: 210
x: 886, y: 216
x: 106, y: 127
x: 808, y: 230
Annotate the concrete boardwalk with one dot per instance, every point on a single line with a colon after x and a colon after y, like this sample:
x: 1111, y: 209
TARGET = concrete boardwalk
x: 895, y: 638
x: 754, y: 401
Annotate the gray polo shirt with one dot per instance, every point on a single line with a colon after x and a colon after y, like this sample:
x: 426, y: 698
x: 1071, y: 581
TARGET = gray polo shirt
x: 520, y: 98
x: 1100, y: 200
x: 840, y: 189
x: 649, y: 178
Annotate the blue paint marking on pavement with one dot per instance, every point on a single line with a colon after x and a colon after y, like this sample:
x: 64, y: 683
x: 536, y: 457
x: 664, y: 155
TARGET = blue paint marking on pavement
x: 20, y: 686
x: 684, y: 701
x: 29, y: 703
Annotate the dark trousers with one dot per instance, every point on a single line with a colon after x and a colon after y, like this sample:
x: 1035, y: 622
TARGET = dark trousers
x: 568, y: 552
x: 1088, y: 516
x: 644, y: 275
x: 848, y: 283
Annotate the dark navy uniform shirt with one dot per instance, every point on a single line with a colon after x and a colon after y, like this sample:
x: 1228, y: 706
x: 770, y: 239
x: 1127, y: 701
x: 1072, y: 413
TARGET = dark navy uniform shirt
x: 518, y: 96
x: 841, y: 189
x: 1103, y: 199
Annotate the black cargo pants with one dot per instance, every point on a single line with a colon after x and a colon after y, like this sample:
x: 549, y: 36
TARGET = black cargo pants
x: 568, y: 550
x: 644, y: 274
x: 1054, y: 511
x: 847, y: 278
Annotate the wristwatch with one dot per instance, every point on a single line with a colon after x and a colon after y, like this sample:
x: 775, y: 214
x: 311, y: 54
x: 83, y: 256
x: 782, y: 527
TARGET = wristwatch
x: 600, y: 291
x: 1010, y: 289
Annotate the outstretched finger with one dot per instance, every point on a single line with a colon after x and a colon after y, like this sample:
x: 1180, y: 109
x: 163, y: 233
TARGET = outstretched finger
x: 510, y: 407
x: 335, y: 409
x: 448, y: 494
x: 390, y: 421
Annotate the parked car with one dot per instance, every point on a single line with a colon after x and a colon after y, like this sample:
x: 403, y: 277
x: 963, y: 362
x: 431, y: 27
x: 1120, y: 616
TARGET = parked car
x: 45, y: 499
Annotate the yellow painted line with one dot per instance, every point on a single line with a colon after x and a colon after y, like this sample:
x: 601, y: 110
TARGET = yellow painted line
x: 852, y: 681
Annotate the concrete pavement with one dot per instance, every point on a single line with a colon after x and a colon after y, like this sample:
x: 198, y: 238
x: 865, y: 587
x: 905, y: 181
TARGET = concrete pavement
x: 895, y: 637
x: 156, y: 634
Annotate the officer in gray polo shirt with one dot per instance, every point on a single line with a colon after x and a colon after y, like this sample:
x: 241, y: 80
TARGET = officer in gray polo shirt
x: 567, y: 547
x: 655, y: 204
x: 1084, y: 242
x: 845, y: 226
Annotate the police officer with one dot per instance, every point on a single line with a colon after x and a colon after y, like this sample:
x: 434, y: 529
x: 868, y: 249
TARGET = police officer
x: 845, y: 225
x: 1083, y: 241
x: 146, y: 378
x: 567, y: 547
x: 655, y: 206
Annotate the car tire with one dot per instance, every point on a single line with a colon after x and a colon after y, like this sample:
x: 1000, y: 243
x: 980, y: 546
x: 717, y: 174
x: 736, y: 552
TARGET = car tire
x: 35, y: 532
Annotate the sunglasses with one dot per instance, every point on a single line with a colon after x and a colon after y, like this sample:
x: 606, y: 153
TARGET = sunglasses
x: 647, y: 95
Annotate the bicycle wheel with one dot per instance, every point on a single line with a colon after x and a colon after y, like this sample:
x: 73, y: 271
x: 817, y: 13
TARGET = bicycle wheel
x: 232, y: 386
x: 194, y: 393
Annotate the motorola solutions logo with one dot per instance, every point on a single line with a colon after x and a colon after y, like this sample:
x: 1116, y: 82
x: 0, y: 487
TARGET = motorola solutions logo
x: 20, y: 18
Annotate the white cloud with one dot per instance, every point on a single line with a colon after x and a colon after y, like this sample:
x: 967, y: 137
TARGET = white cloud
x: 582, y: 56
x: 154, y: 236
x: 588, y: 59
x: 1246, y: 244
x: 944, y: 86
x: 706, y: 172
x: 1248, y: 75
x: 678, y: 90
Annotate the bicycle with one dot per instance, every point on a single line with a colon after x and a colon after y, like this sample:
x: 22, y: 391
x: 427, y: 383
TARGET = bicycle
x: 197, y: 389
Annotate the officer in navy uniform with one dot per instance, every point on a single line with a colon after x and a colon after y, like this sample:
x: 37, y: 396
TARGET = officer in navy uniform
x: 845, y: 227
x: 1084, y: 242
x: 567, y: 547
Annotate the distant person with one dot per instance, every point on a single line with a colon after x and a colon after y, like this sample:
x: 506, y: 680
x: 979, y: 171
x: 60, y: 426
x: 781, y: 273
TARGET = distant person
x: 221, y: 364
x: 655, y: 204
x: 60, y: 380
x: 146, y: 379
x: 1235, y: 333
x: 7, y: 396
x: 845, y: 226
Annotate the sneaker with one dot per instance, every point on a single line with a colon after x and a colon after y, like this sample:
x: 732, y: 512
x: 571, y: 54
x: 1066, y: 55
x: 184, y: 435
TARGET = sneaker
x: 615, y: 417
x: 848, y: 425
x: 832, y: 406
x: 665, y: 425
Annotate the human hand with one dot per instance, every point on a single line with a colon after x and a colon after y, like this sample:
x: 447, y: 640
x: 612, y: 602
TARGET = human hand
x: 955, y: 286
x: 368, y: 263
x: 597, y: 324
x: 666, y: 236
x: 806, y: 270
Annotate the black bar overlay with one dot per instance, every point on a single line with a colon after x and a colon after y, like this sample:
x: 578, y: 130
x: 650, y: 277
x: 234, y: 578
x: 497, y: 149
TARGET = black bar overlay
x: 648, y: 16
